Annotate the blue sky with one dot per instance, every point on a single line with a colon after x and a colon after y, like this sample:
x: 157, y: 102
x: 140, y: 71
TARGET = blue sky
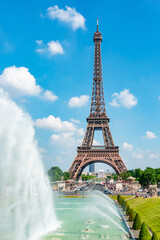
x: 46, y: 56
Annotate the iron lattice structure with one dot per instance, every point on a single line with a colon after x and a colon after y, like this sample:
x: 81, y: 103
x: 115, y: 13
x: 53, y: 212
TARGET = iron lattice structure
x: 97, y: 120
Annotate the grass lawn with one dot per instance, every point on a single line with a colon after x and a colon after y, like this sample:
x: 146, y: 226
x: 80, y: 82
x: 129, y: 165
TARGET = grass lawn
x: 149, y: 211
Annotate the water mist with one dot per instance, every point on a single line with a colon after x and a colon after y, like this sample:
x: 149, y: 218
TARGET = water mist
x: 26, y: 204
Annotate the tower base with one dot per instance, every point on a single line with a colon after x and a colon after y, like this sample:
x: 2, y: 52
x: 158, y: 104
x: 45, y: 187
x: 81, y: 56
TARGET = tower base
x: 101, y: 154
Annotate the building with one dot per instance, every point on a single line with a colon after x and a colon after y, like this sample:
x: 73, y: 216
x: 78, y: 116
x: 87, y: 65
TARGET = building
x: 92, y: 167
x: 101, y: 174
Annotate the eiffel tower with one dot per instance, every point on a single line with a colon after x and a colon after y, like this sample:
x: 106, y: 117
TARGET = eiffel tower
x: 97, y: 120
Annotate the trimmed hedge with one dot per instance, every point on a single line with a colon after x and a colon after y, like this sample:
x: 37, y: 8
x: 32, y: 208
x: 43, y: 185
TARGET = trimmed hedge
x: 118, y: 197
x: 154, y: 236
x: 144, y: 232
x: 132, y: 215
x: 123, y: 204
x: 128, y: 210
x: 137, y: 222
x: 126, y: 205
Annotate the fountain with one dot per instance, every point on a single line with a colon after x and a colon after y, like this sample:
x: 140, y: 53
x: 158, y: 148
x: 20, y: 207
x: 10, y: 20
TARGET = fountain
x: 89, y: 218
x: 26, y: 203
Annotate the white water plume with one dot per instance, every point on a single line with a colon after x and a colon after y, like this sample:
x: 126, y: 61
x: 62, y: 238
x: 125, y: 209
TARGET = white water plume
x: 106, y: 203
x: 26, y: 204
x: 100, y: 212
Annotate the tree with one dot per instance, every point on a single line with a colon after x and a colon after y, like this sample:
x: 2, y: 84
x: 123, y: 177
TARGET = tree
x: 66, y: 175
x: 115, y: 177
x: 148, y: 177
x: 128, y: 210
x: 158, y: 179
x: 87, y: 177
x: 138, y: 172
x: 125, y: 175
x: 55, y: 174
x: 154, y: 236
x: 120, y: 199
x: 123, y: 204
x: 132, y: 215
x: 126, y: 205
x: 144, y: 232
x: 137, y: 222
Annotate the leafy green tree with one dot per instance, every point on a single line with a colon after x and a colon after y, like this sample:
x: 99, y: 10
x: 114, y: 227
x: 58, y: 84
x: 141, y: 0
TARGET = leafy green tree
x: 115, y: 177
x: 158, y: 179
x: 125, y: 175
x: 66, y: 176
x: 148, y: 177
x: 138, y: 172
x: 87, y: 177
x: 144, y: 232
x: 157, y: 171
x: 132, y: 172
x: 137, y: 222
x: 55, y: 174
x: 154, y: 236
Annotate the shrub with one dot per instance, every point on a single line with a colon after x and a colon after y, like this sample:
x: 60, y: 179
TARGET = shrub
x: 132, y: 215
x: 144, y: 233
x: 123, y: 204
x: 126, y: 206
x: 154, y: 236
x: 118, y: 197
x: 128, y: 210
x: 137, y: 222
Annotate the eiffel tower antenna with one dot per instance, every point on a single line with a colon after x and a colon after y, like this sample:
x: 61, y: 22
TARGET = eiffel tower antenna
x: 97, y: 24
x: 97, y: 120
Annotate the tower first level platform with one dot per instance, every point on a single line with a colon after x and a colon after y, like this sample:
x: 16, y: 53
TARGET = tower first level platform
x: 88, y: 154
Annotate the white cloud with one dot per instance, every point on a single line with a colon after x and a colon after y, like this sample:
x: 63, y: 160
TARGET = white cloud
x: 50, y: 49
x: 42, y: 150
x: 18, y: 81
x: 48, y: 95
x: 153, y: 156
x: 78, y: 101
x: 39, y: 42
x: 149, y: 135
x: 69, y: 15
x: 57, y: 125
x: 96, y: 143
x: 66, y: 140
x: 137, y: 155
x: 124, y: 99
x: 76, y: 121
x: 127, y: 147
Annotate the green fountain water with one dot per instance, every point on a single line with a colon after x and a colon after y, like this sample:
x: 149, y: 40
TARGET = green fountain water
x: 88, y: 218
